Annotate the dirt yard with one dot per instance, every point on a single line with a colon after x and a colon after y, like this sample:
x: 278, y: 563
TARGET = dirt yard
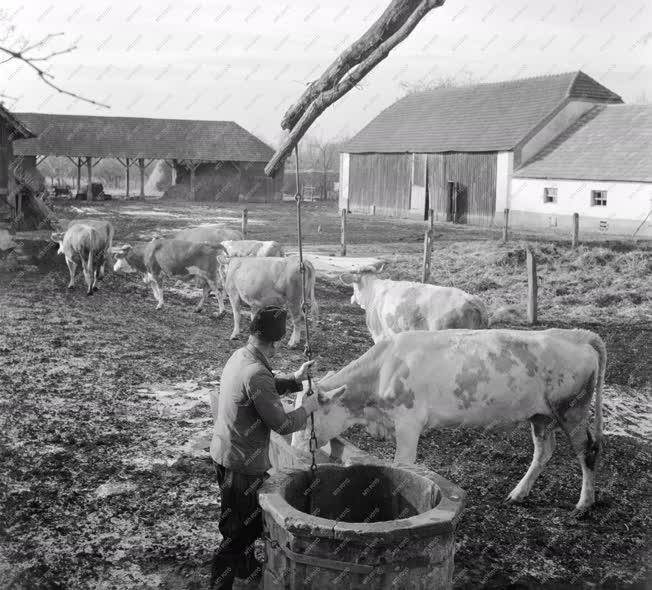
x: 105, y: 480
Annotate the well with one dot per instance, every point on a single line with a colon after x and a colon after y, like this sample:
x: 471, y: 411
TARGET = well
x: 371, y: 526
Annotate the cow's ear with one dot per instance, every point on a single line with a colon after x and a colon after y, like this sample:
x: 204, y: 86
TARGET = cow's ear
x: 223, y: 259
x: 347, y: 279
x: 332, y: 395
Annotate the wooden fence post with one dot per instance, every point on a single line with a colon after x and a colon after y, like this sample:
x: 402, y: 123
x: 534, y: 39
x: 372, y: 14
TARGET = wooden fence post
x: 427, y: 248
x: 506, y: 225
x: 373, y: 209
x: 531, y: 287
x: 343, y: 238
x: 576, y: 230
x: 245, y: 213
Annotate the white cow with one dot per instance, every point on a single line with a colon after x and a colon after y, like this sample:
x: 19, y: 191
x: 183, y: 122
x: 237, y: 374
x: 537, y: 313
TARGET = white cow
x: 86, y: 245
x: 106, y: 231
x: 402, y: 306
x: 260, y: 282
x: 252, y: 248
x: 418, y: 380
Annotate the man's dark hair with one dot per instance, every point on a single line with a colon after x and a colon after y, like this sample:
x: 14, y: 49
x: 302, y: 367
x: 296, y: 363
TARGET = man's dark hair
x: 268, y: 324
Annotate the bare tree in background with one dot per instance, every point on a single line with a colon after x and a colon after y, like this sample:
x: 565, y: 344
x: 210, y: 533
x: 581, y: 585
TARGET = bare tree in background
x: 323, y: 155
x: 16, y: 48
x: 465, y: 79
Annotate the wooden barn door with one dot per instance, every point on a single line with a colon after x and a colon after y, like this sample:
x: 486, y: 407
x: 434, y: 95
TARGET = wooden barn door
x: 418, y: 189
x: 458, y: 198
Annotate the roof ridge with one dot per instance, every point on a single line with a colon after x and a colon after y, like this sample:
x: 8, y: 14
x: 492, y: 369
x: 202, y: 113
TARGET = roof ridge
x: 496, y: 83
x: 126, y: 117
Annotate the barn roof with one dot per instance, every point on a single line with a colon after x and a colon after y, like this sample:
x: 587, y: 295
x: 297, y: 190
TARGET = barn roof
x: 131, y: 137
x: 477, y: 118
x: 19, y: 129
x: 607, y: 143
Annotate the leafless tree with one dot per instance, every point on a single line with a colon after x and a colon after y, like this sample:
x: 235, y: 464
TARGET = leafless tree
x: 17, y: 48
x: 464, y: 79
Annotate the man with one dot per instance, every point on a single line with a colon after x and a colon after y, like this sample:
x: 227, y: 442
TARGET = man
x: 247, y: 410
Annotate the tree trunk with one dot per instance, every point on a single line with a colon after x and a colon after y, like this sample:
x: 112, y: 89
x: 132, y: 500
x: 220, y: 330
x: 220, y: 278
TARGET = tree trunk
x: 384, y: 42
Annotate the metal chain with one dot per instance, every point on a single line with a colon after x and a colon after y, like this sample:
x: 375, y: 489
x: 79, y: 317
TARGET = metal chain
x: 305, y: 308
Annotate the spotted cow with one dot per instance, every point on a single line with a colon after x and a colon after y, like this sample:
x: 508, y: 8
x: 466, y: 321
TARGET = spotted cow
x: 392, y: 307
x: 418, y: 380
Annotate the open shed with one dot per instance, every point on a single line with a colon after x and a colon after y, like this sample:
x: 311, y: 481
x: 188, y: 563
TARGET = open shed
x: 212, y: 160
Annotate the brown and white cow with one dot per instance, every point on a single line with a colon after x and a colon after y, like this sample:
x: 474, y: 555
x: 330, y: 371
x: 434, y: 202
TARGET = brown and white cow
x: 260, y: 282
x: 418, y: 380
x: 174, y: 258
x: 213, y: 234
x: 86, y: 245
x: 253, y: 248
x: 392, y: 307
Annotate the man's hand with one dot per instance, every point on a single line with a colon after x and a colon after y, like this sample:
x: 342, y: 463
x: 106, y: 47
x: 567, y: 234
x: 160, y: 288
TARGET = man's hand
x: 304, y: 372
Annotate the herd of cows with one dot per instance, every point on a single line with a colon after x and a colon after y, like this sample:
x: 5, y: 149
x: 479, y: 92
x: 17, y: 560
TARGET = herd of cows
x: 435, y: 361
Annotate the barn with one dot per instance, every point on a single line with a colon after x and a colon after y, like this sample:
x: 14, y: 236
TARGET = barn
x: 455, y: 150
x: 212, y: 160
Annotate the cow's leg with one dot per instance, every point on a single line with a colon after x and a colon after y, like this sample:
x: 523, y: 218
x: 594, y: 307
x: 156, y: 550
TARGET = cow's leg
x: 574, y: 420
x: 297, y: 317
x: 155, y: 283
x: 235, y: 306
x: 89, y: 274
x: 543, y: 437
x: 204, y: 295
x: 407, y: 439
x: 72, y: 269
x: 216, y: 286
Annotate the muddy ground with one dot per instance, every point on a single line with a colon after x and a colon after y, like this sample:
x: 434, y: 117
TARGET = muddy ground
x: 105, y: 481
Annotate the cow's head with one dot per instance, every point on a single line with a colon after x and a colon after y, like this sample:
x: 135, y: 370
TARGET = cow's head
x: 57, y: 238
x: 358, y: 281
x: 121, y: 263
x: 331, y: 419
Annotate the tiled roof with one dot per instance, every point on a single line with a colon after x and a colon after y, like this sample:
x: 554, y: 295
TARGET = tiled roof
x: 130, y: 137
x: 608, y: 143
x: 478, y: 118
x: 19, y: 129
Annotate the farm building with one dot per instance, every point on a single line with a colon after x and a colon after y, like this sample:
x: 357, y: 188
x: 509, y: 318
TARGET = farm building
x: 460, y: 151
x: 11, y: 129
x: 212, y: 160
x: 600, y: 168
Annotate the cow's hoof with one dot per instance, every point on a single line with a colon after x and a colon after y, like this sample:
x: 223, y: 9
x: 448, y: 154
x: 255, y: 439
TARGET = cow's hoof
x: 197, y: 309
x: 95, y: 289
x: 580, y: 513
x: 511, y: 499
x: 89, y: 293
x: 159, y: 307
x: 71, y: 286
x: 233, y: 336
x: 293, y: 345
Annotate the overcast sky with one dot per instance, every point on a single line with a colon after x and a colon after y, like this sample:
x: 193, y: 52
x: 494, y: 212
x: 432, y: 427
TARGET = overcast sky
x: 248, y: 60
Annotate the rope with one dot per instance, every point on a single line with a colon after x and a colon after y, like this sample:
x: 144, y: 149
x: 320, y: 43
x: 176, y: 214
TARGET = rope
x: 305, y: 308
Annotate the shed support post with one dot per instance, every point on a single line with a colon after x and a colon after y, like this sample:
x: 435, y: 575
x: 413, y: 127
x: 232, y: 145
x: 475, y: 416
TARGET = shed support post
x: 505, y: 225
x: 127, y: 164
x: 141, y: 165
x: 89, y: 187
x: 192, y: 182
x: 174, y: 171
x: 244, y: 223
x: 343, y: 237
x: 79, y: 165
x: 576, y: 230
x: 531, y: 287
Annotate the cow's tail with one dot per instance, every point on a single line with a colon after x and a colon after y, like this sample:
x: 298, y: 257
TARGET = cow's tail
x: 311, y: 277
x: 598, y: 381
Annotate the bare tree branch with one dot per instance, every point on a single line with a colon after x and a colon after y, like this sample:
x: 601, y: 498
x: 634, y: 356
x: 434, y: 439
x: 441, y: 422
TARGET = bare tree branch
x: 328, y: 96
x: 387, y: 24
x: 20, y: 56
